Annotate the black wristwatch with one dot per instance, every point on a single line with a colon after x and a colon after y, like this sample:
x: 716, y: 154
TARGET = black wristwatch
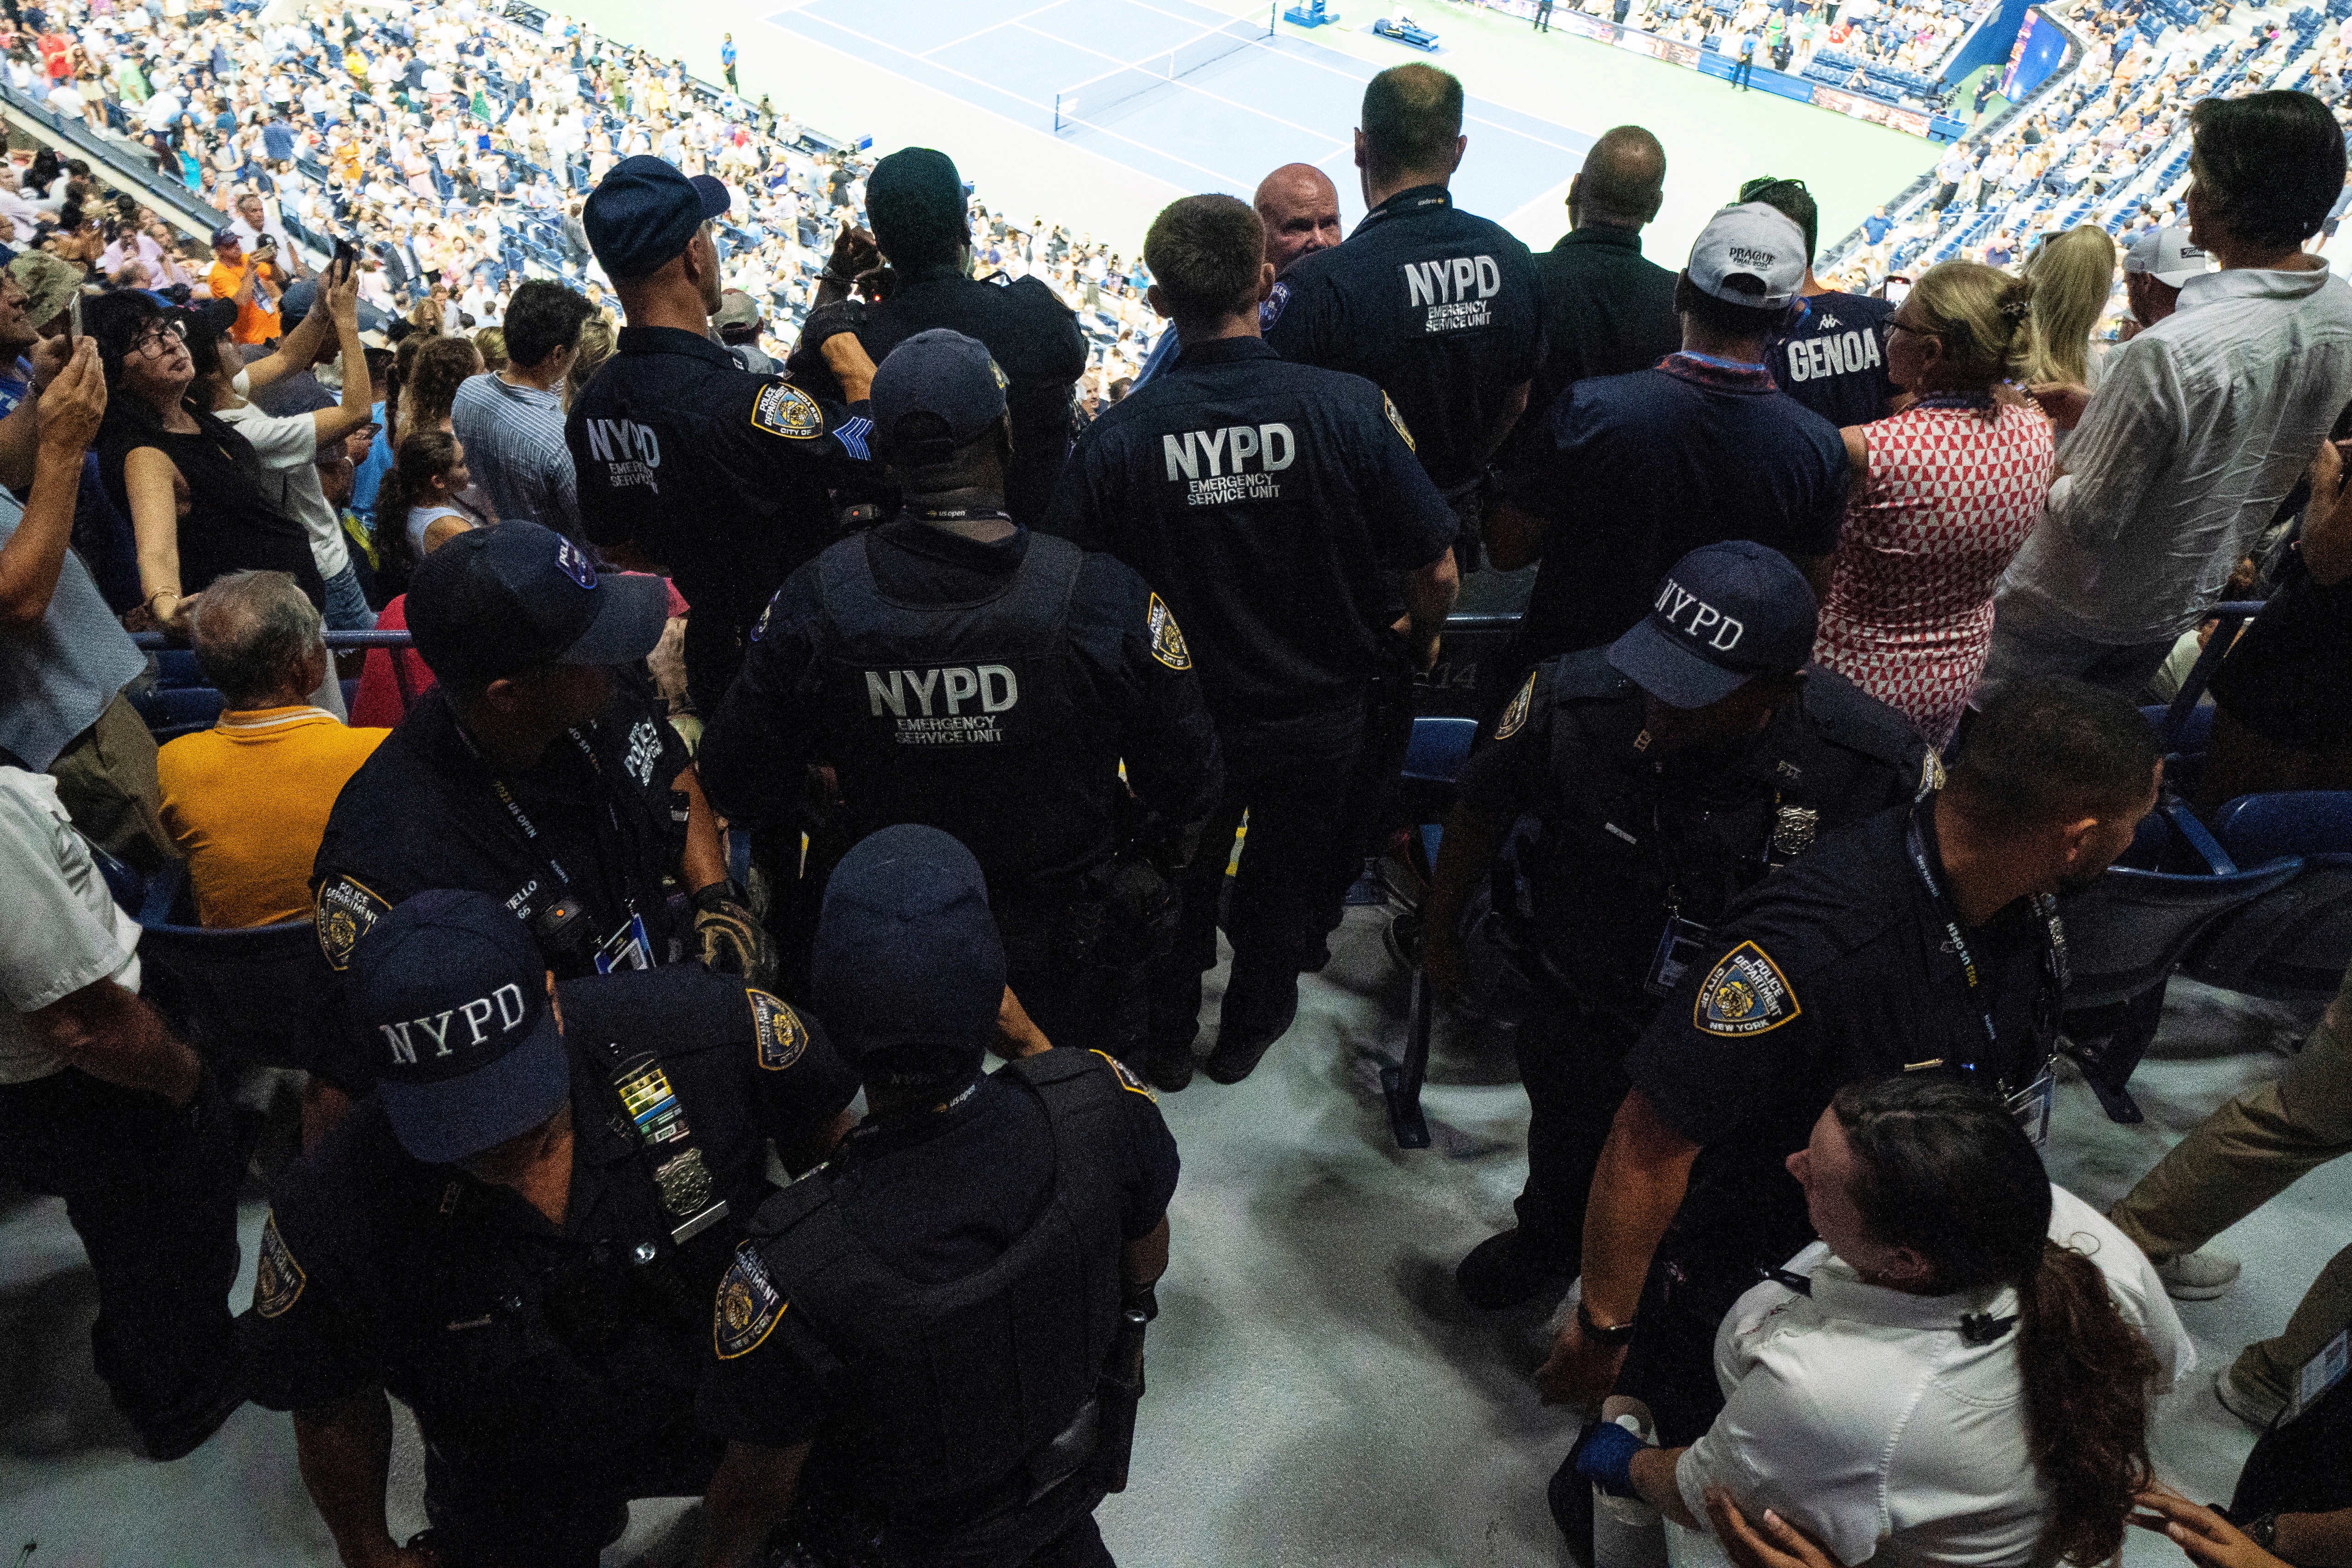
x: 1623, y: 1333
x: 2264, y: 1532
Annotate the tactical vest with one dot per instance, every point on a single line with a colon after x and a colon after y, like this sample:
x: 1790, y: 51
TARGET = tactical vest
x: 970, y: 718
x: 951, y: 1387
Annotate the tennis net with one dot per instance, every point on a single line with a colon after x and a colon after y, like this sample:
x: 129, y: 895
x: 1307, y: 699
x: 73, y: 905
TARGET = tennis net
x: 1091, y: 100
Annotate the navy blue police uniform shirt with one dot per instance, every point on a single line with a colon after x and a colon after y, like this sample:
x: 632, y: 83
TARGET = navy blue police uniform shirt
x: 1834, y: 358
x: 1627, y: 837
x: 720, y: 475
x: 1031, y: 335
x: 938, y: 1197
x: 1639, y: 471
x: 1265, y: 501
x: 1441, y: 308
x: 595, y: 819
x: 459, y: 1296
x: 1135, y: 683
x: 1836, y: 969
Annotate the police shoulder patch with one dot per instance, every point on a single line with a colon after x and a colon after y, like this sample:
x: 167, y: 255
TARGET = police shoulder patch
x: 277, y: 1280
x: 1931, y: 775
x: 776, y: 1029
x: 1396, y: 421
x: 348, y: 911
x: 1515, y: 717
x: 1167, y: 641
x: 1744, y: 993
x: 1126, y: 1076
x: 783, y: 409
x: 748, y: 1306
x: 1271, y: 311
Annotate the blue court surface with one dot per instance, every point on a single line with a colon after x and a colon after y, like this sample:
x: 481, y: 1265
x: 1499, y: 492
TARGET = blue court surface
x: 1277, y: 100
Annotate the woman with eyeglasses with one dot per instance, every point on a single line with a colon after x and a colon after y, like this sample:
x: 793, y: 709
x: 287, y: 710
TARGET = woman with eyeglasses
x: 187, y: 481
x: 1944, y: 495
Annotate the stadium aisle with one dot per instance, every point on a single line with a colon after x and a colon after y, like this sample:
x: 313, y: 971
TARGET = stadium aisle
x: 1318, y: 1395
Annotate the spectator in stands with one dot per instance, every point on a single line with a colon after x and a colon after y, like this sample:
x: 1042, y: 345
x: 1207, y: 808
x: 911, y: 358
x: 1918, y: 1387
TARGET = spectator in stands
x: 429, y: 393
x: 1636, y: 471
x: 2073, y: 274
x: 2157, y: 266
x: 492, y: 342
x: 251, y: 225
x: 1944, y: 494
x: 161, y: 451
x: 737, y: 321
x: 287, y: 445
x: 251, y: 281
x: 1958, y: 1371
x: 597, y: 341
x: 1829, y: 356
x: 512, y: 421
x: 2204, y: 421
x: 1607, y: 308
x: 257, y: 639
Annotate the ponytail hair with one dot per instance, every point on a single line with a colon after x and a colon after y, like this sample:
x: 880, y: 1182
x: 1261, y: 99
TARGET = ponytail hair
x: 2073, y: 274
x: 1980, y: 315
x: 1943, y: 1168
x: 422, y: 457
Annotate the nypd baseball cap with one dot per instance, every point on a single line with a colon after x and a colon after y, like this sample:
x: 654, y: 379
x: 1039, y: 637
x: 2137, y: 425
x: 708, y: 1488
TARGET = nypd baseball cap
x: 2167, y: 256
x: 495, y: 601
x: 906, y: 952
x: 1762, y: 242
x: 1725, y: 615
x: 449, y: 994
x: 645, y: 211
x: 933, y: 393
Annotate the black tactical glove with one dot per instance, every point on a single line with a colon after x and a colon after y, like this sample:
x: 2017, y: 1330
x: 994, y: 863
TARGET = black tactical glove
x: 830, y: 321
x: 730, y: 939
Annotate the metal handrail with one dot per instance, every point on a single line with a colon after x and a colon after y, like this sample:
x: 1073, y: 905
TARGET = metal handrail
x: 152, y: 642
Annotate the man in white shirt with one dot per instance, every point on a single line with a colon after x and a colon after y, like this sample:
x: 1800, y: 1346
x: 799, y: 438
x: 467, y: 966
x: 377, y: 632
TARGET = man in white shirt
x: 252, y: 221
x: 2203, y: 423
x: 101, y: 1104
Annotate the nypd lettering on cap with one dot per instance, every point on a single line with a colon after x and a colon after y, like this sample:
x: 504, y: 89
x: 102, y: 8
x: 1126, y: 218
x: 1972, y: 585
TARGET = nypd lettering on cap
x: 575, y: 565
x: 431, y: 1035
x: 1696, y: 619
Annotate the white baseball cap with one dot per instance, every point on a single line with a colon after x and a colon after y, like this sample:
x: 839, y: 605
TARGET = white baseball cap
x: 2165, y: 255
x: 1762, y: 242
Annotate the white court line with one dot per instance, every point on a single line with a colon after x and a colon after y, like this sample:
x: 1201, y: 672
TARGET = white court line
x: 1013, y: 21
x: 1181, y: 85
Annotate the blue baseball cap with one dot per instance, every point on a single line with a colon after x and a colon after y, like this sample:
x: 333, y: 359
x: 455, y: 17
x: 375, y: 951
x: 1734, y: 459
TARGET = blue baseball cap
x: 933, y: 393
x: 1725, y: 615
x: 494, y: 601
x: 645, y: 211
x: 451, y: 994
x: 906, y: 952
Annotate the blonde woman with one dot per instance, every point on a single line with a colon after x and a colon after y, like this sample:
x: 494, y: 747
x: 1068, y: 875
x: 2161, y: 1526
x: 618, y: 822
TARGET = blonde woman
x: 1944, y: 494
x: 2071, y: 274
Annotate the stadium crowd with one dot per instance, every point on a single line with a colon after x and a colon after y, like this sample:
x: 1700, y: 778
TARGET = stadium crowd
x: 794, y: 716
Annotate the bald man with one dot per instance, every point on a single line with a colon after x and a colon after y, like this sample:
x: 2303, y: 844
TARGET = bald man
x: 1300, y: 208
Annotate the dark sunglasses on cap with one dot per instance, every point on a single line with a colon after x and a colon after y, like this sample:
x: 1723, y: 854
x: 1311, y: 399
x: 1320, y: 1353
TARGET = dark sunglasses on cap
x: 1755, y: 189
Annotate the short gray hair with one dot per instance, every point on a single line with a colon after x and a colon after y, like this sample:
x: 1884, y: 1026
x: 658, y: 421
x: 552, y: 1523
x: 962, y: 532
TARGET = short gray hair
x: 252, y: 632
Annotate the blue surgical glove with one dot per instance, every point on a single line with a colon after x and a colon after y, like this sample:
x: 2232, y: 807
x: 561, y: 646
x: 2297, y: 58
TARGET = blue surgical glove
x: 1607, y: 1458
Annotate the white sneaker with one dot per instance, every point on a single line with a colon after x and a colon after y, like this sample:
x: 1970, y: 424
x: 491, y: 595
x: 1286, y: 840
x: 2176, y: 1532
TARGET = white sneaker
x: 2251, y: 1406
x: 2198, y: 1276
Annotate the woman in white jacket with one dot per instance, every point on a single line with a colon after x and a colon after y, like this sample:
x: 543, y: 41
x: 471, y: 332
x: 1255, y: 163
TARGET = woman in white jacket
x: 1946, y: 1377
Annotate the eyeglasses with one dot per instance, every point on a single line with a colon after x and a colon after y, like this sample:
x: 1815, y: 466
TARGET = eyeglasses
x: 159, y: 337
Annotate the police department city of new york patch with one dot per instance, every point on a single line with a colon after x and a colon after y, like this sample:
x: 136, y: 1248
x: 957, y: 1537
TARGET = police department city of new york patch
x: 1745, y: 994
x: 748, y: 1306
x: 1126, y: 1076
x: 348, y: 911
x: 780, y: 1036
x: 781, y: 409
x: 1397, y: 420
x: 1515, y: 717
x: 1167, y: 641
x: 277, y: 1280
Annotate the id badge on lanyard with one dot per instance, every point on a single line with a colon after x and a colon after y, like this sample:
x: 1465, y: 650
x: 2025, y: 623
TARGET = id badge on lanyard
x: 627, y: 948
x: 1682, y: 943
x: 2320, y: 1374
x: 2031, y: 1105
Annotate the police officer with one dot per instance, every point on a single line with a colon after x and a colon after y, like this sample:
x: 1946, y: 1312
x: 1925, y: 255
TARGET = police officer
x: 1924, y: 939
x: 940, y: 1332
x: 952, y: 668
x: 1441, y: 308
x: 517, y: 1232
x: 1667, y: 773
x: 916, y: 200
x: 1265, y: 501
x: 540, y: 770
x: 685, y: 459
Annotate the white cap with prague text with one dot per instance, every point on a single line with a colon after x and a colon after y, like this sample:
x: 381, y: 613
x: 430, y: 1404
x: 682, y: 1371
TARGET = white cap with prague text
x: 2165, y: 255
x: 1760, y: 241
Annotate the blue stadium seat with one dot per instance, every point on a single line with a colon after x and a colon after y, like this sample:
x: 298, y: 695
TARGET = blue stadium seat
x: 178, y: 667
x: 171, y: 706
x: 257, y: 997
x: 1433, y: 760
x: 2127, y: 934
x: 2258, y: 827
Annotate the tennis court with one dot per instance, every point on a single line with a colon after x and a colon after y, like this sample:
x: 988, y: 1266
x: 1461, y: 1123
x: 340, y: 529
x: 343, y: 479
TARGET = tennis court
x: 1269, y: 100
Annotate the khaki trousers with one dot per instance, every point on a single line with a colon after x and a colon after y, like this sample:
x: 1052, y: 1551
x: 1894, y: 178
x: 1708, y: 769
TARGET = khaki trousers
x: 2242, y: 1156
x: 106, y: 780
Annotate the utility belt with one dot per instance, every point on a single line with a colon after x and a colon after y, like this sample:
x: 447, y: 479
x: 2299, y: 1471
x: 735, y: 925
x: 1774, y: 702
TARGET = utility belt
x: 1122, y: 914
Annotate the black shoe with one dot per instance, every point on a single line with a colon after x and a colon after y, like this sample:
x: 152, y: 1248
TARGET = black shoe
x: 1259, y: 1008
x: 1503, y: 1271
x: 1169, y: 1064
x: 183, y: 1435
x: 1570, y: 1497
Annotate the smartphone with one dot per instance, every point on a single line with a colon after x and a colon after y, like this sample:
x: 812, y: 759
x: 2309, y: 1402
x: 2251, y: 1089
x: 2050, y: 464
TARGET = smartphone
x: 73, y: 317
x: 1896, y: 290
x: 346, y: 262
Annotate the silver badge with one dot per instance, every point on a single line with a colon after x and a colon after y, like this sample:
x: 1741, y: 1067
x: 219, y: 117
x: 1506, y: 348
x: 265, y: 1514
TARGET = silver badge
x: 684, y: 1184
x: 1793, y: 830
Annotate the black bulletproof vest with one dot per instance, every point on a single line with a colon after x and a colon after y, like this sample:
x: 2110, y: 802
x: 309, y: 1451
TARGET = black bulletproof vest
x: 951, y: 1387
x: 969, y: 717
